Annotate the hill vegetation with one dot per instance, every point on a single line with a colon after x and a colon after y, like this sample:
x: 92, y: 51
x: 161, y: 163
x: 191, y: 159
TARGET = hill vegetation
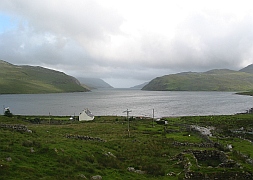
x: 40, y: 147
x: 30, y: 80
x: 213, y: 80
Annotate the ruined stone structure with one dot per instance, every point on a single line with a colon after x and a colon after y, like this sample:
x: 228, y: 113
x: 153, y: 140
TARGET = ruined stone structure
x: 86, y: 138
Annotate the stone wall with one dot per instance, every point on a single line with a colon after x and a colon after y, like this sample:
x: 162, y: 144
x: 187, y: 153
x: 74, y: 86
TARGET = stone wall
x: 86, y: 138
x: 187, y: 144
x: 16, y: 127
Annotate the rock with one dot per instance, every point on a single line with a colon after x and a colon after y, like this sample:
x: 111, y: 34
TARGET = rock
x: 140, y: 172
x: 97, y: 177
x: 109, y: 153
x: 131, y: 169
x: 29, y: 131
x: 171, y: 174
x: 8, y: 159
x: 82, y: 176
x: 32, y: 150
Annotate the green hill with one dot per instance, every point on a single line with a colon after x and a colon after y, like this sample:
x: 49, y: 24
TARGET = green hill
x: 31, y: 80
x: 213, y: 80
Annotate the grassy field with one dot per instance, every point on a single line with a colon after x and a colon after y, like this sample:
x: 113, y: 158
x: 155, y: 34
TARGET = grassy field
x: 61, y: 149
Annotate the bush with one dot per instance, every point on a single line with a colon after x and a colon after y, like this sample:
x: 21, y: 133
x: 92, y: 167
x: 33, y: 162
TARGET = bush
x: 154, y: 169
x: 8, y: 113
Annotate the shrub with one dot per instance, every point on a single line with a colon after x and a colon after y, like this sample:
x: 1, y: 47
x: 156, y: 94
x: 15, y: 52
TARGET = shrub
x: 154, y: 169
x: 8, y: 113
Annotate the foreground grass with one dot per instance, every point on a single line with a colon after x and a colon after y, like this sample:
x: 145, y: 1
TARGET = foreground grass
x: 47, y: 153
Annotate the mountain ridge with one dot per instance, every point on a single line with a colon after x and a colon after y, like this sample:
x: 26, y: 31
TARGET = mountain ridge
x: 212, y: 80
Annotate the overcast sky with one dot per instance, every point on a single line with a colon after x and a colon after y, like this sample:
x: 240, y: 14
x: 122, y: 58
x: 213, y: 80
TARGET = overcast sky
x: 127, y: 42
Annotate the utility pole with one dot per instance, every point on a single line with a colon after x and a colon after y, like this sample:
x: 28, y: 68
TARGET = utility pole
x: 128, y: 126
x: 153, y: 116
x: 49, y: 118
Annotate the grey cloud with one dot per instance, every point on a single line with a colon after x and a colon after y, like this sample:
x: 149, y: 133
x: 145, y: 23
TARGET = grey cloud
x: 77, y: 37
x: 201, y: 44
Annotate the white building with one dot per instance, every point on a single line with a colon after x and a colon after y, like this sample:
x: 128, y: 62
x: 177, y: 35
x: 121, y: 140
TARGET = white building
x: 86, y: 115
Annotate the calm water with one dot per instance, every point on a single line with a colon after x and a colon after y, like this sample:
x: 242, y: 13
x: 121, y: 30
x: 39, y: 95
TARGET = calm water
x: 141, y: 103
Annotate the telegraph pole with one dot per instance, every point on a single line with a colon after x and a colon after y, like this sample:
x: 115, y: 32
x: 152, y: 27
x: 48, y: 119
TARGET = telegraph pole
x: 49, y: 118
x: 153, y: 116
x: 128, y: 126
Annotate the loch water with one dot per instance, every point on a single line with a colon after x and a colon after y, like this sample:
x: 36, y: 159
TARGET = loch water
x: 141, y: 103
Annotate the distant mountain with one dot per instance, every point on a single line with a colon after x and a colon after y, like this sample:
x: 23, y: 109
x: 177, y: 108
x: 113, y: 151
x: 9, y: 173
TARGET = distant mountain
x: 213, y: 80
x: 94, y: 83
x: 140, y: 86
x: 248, y: 69
x: 34, y: 79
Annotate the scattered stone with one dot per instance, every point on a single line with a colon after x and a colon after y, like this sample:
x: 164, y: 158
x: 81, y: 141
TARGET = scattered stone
x: 171, y: 174
x: 140, y: 172
x: 8, y: 159
x: 32, y: 150
x: 110, y: 154
x: 17, y: 127
x: 86, y: 138
x: 131, y: 169
x: 97, y: 177
x: 29, y: 131
x: 203, y: 130
x: 82, y: 176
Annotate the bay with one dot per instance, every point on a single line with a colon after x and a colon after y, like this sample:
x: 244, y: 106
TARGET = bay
x: 115, y: 101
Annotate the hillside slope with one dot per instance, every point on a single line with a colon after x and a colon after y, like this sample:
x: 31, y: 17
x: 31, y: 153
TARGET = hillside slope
x: 94, y: 83
x: 31, y: 80
x: 213, y: 80
x: 140, y: 86
x: 248, y: 69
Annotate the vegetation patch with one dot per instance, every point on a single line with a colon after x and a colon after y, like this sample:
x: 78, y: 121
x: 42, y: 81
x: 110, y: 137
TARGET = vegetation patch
x: 103, y: 148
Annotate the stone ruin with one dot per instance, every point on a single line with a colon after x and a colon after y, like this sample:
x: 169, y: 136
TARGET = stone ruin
x: 205, y: 155
x: 16, y: 127
x: 86, y: 138
x: 209, y: 155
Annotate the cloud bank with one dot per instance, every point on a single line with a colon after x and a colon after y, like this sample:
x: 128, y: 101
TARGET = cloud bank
x: 127, y: 42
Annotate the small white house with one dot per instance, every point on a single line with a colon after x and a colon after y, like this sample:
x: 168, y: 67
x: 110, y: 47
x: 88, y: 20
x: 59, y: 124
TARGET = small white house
x: 86, y: 115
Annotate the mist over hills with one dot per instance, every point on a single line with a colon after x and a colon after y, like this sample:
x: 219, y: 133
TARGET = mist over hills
x: 94, y: 83
x: 34, y: 79
x: 140, y: 86
x: 213, y: 80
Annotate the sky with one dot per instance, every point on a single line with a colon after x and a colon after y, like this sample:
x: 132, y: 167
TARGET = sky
x: 127, y: 42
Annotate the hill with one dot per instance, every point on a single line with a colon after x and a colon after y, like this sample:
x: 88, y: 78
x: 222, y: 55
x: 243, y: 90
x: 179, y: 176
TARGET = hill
x: 31, y: 80
x: 140, y: 86
x: 248, y: 69
x: 213, y: 80
x: 94, y: 83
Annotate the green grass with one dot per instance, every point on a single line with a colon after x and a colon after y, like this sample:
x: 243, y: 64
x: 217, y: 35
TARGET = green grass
x: 148, y: 148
